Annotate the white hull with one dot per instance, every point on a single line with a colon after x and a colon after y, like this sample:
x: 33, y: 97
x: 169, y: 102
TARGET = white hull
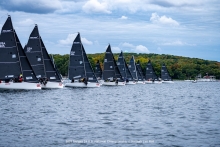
x: 131, y: 83
x: 140, y: 82
x: 22, y: 85
x: 157, y: 82
x: 149, y: 82
x: 206, y: 80
x: 52, y: 85
x: 168, y: 82
x: 113, y: 84
x: 78, y: 84
x: 100, y: 81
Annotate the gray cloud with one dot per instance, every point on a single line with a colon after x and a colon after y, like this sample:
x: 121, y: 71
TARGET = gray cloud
x: 174, y: 3
x: 30, y: 6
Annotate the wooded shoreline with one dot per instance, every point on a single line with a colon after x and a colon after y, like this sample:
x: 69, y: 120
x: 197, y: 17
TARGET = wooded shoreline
x: 179, y: 67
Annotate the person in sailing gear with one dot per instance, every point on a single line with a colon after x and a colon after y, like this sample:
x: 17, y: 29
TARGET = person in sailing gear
x: 7, y: 80
x: 41, y: 80
x: 72, y: 80
x: 85, y: 81
x: 127, y: 80
x: 20, y: 78
x: 116, y: 81
x: 45, y: 80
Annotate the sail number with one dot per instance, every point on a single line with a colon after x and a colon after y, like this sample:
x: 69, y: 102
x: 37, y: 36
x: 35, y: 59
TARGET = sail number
x: 29, y: 49
x: 2, y: 44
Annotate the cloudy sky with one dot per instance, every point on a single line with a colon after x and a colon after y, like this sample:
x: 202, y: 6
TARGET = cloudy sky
x: 188, y: 28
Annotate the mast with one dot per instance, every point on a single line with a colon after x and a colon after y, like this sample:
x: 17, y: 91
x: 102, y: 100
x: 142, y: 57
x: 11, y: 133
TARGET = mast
x: 82, y: 55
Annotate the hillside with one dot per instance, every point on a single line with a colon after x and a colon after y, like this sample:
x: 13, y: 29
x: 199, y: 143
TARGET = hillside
x: 179, y: 67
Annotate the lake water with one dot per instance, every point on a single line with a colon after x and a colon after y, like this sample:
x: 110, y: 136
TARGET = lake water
x: 179, y: 114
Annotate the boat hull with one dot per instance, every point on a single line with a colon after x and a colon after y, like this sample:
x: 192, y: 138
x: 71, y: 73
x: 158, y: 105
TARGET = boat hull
x: 168, y: 82
x: 22, y: 85
x: 77, y: 84
x: 157, y: 82
x: 149, y: 82
x: 140, y: 82
x: 131, y: 83
x: 113, y: 84
x: 100, y: 81
x: 52, y: 85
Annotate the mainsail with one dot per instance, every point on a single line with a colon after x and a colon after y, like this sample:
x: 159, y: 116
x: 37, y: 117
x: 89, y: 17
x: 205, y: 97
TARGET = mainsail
x: 79, y: 65
x: 128, y: 73
x: 138, y: 66
x: 13, y: 61
x: 123, y: 68
x: 150, y: 72
x: 111, y: 70
x: 140, y: 77
x: 132, y: 68
x: 98, y: 70
x: 165, y: 74
x: 89, y: 71
x: 39, y: 58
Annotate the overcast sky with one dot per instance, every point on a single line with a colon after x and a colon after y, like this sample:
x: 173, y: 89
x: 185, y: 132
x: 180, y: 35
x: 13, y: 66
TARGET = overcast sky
x: 188, y: 28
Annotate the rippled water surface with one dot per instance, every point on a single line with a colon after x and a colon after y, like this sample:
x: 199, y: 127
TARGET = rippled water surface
x: 179, y: 114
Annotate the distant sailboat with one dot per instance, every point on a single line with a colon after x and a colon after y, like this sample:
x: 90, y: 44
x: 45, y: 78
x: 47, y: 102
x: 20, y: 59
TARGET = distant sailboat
x: 141, y: 79
x: 111, y: 73
x: 80, y: 73
x: 41, y: 62
x: 125, y: 72
x: 165, y: 76
x: 98, y: 70
x: 151, y: 76
x: 134, y: 71
x: 138, y: 65
x: 132, y: 68
x: 16, y: 72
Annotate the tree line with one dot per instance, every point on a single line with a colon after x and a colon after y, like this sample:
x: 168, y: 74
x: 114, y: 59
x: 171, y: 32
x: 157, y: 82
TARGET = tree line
x: 179, y: 67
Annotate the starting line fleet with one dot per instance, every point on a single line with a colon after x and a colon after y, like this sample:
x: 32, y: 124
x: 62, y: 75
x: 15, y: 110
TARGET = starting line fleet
x: 33, y: 68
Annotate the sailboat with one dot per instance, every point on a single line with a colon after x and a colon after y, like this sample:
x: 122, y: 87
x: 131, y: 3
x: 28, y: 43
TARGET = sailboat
x: 16, y: 72
x: 125, y: 72
x: 133, y: 70
x: 151, y: 77
x: 98, y: 72
x: 80, y: 71
x: 111, y: 73
x: 140, y: 75
x: 165, y: 76
x: 41, y: 62
x: 138, y: 65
